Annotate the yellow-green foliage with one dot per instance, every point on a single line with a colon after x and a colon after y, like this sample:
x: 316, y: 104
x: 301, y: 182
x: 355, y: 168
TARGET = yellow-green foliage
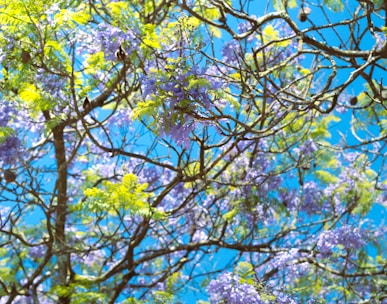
x: 4, y: 133
x: 320, y: 128
x: 270, y: 34
x: 79, y: 294
x: 246, y: 272
x: 334, y: 5
x: 279, y: 5
x: 128, y: 195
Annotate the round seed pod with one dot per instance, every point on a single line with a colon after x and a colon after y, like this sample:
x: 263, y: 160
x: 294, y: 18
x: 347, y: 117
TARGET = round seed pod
x: 9, y: 176
x: 25, y: 57
x: 303, y: 13
x: 353, y: 101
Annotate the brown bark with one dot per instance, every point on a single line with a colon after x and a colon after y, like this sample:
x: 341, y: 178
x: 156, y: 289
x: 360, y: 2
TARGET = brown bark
x: 61, y: 187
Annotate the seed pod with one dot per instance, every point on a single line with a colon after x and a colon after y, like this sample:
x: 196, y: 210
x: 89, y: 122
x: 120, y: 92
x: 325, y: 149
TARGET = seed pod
x: 25, y: 57
x: 303, y: 13
x: 120, y: 53
x: 222, y: 18
x: 248, y: 108
x: 86, y: 104
x: 9, y: 176
x: 353, y: 101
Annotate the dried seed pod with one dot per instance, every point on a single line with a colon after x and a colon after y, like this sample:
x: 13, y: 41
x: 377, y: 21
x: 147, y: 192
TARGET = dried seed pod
x: 222, y: 18
x: 353, y: 101
x: 120, y: 53
x: 303, y: 13
x: 25, y: 56
x: 248, y: 108
x: 9, y: 176
x: 86, y: 104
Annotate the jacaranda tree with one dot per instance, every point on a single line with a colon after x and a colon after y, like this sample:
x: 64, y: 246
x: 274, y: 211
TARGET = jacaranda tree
x: 174, y: 151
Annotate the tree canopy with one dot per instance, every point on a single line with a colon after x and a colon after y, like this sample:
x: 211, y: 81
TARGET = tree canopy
x: 190, y: 151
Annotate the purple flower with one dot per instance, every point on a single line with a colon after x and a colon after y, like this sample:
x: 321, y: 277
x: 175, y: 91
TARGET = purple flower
x: 227, y: 288
x: 246, y: 27
x: 149, y: 87
x: 311, y: 203
x: 52, y: 84
x: 283, y: 259
x: 348, y: 236
x: 351, y: 156
x: 285, y: 299
x: 214, y: 75
x: 231, y: 51
x: 180, y: 134
x: 6, y: 113
x: 380, y: 39
x: 109, y: 38
x: 308, y: 147
x: 106, y: 38
x: 37, y: 251
x: 51, y: 12
x: 199, y: 235
x: 9, y: 150
x: 10, y: 147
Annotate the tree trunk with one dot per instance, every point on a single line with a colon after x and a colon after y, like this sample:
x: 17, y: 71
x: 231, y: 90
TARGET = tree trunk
x: 60, y: 238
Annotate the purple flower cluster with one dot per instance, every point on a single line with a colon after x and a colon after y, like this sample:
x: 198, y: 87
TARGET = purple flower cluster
x: 106, y: 38
x: 9, y: 150
x: 227, y: 288
x: 6, y: 113
x: 311, y: 203
x: 348, y: 236
x: 52, y: 84
x: 181, y: 99
x: 282, y: 259
x: 231, y: 51
x: 10, y: 147
x: 245, y: 27
x: 180, y: 133
x: 307, y: 148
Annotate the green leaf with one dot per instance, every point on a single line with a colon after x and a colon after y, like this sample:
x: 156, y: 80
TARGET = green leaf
x: 128, y: 195
x: 163, y: 297
x: 53, y: 122
x: 380, y: 260
x: 228, y: 216
x: 144, y: 109
x: 117, y: 8
x: 245, y: 271
x: 151, y: 38
x: 30, y: 94
x: 279, y: 5
x: 334, y: 5
x: 5, y: 132
x: 198, y: 83
x: 132, y: 301
x: 6, y: 273
x: 326, y: 177
x: 172, y: 281
x: 95, y: 62
x: 215, y: 31
x: 72, y: 18
x: 88, y: 297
